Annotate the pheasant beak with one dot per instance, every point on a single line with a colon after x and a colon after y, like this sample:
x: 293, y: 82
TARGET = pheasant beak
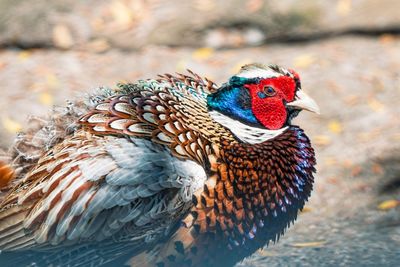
x: 303, y: 101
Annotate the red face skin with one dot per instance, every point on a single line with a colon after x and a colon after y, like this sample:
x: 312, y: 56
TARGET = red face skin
x: 268, y: 107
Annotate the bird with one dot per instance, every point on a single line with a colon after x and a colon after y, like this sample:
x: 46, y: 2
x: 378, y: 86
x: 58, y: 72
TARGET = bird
x: 171, y: 171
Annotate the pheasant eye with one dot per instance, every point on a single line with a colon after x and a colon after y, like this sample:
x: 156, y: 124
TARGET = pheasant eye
x: 269, y: 90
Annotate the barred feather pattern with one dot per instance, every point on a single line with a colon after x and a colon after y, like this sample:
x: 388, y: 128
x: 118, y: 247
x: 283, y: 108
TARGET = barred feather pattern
x: 147, y: 172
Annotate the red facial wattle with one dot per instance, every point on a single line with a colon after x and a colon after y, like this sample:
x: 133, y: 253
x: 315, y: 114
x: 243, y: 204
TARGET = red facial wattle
x: 269, y: 108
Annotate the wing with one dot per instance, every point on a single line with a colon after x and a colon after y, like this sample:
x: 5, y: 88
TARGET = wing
x: 91, y: 188
x: 171, y: 111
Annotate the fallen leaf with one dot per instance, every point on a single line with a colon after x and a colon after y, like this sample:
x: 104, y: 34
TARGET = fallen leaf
x: 375, y: 105
x: 343, y: 7
x: 24, y: 55
x: 309, y: 244
x: 11, y: 125
x: 335, y: 126
x: 203, y: 53
x: 303, y: 61
x: 306, y: 209
x: 121, y: 13
x: 387, y: 39
x: 322, y: 140
x: 62, y: 36
x: 46, y: 99
x: 388, y: 204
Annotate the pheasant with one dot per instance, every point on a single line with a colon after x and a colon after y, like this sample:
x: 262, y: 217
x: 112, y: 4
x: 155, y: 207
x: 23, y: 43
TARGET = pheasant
x: 173, y: 171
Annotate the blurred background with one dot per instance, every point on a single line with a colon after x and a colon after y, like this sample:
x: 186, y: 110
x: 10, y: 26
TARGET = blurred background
x: 347, y: 53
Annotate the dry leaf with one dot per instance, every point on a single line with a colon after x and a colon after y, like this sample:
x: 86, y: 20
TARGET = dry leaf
x: 46, y: 99
x: 303, y: 61
x: 203, y: 53
x: 343, y: 7
x: 389, y: 204
x: 309, y: 244
x: 11, y: 125
x: 387, y: 39
x: 24, y: 55
x: 121, y: 13
x: 322, y: 140
x: 335, y: 126
x: 306, y: 209
x: 62, y: 36
x: 375, y: 105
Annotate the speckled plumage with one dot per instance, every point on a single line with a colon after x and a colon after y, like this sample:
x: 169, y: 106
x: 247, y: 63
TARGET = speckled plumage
x: 144, y: 174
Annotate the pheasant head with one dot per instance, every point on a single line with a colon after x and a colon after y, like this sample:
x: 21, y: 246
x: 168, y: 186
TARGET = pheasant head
x: 259, y: 99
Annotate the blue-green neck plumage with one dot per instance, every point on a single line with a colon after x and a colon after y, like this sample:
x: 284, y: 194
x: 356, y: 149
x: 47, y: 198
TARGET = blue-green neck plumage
x: 233, y: 100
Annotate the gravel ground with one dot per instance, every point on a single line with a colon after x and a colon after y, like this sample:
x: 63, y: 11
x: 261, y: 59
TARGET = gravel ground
x: 356, y: 82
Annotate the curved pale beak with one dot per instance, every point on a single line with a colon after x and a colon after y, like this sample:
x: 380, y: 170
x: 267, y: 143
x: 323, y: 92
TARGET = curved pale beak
x: 303, y: 101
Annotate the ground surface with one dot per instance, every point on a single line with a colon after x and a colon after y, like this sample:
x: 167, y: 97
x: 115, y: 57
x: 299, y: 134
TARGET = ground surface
x: 356, y: 82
